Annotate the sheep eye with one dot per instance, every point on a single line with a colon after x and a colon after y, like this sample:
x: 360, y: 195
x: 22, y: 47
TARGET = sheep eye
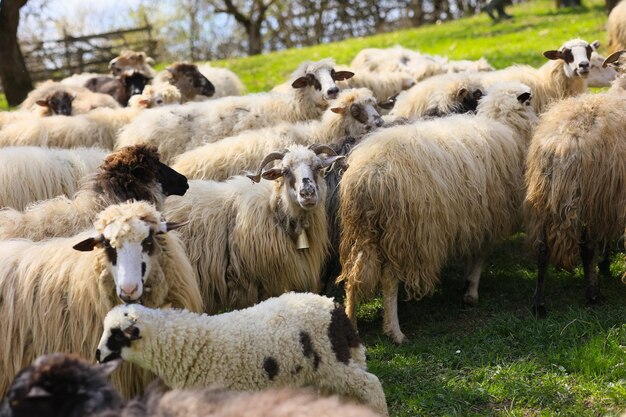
x: 159, y: 101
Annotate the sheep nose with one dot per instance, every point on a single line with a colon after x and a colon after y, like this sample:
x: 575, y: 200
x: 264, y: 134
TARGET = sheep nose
x: 379, y: 122
x: 307, y: 191
x: 584, y: 65
x: 129, y: 289
x: 333, y: 91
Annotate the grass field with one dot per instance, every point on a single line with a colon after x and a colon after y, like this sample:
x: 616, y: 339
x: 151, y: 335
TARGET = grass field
x: 495, y: 359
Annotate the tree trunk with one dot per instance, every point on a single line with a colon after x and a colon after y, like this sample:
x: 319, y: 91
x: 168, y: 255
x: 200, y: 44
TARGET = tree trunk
x: 13, y: 73
x: 255, y: 41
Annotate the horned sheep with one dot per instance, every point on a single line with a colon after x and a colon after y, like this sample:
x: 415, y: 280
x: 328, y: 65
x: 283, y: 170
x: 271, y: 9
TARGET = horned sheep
x: 443, y: 187
x: 133, y: 173
x: 251, y: 241
x: 43, y: 173
x: 54, y: 298
x: 294, y: 340
x: 352, y: 113
x: 575, y: 171
x: 176, y: 129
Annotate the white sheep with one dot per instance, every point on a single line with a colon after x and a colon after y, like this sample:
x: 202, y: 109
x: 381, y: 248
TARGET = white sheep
x: 599, y: 75
x: 417, y: 194
x: 353, y: 113
x: 133, y: 173
x: 294, y: 340
x: 156, y: 95
x: 382, y: 85
x: 176, y: 129
x: 84, y: 101
x: 437, y: 96
x: 575, y: 171
x: 225, y: 81
x: 616, y: 27
x: 564, y: 75
x: 98, y: 127
x: 29, y: 174
x: 54, y: 298
x: 251, y: 241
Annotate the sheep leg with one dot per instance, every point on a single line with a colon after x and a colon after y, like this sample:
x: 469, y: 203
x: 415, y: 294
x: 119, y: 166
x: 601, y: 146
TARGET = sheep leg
x: 474, y: 268
x: 539, y: 303
x: 604, y: 267
x: 588, y: 251
x: 391, y: 324
x: 351, y: 304
x: 361, y: 385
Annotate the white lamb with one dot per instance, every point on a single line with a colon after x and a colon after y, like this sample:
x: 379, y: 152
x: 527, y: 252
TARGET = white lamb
x: 29, y: 174
x: 176, y: 129
x: 225, y: 81
x: 353, y: 113
x: 251, y: 241
x: 294, y: 340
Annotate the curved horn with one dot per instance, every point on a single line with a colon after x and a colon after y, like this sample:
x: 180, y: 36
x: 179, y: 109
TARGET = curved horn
x: 612, y: 58
x: 268, y: 158
x: 318, y: 149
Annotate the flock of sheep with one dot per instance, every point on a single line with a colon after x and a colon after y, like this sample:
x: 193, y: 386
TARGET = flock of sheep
x: 371, y: 175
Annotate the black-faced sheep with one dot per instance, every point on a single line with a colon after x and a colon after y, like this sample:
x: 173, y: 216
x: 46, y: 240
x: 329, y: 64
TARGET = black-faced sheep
x: 178, y: 128
x: 83, y: 102
x: 294, y: 340
x: 352, y: 113
x: 575, y: 175
x: 121, y: 88
x: 43, y: 173
x: 251, y: 241
x: 133, y: 173
x: 61, y: 385
x: 417, y: 194
x: 54, y: 298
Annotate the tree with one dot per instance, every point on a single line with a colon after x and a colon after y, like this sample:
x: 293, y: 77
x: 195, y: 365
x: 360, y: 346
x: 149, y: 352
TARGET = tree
x: 13, y: 73
x: 252, y: 20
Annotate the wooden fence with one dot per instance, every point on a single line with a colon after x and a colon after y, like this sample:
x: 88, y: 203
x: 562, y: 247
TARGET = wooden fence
x: 63, y: 57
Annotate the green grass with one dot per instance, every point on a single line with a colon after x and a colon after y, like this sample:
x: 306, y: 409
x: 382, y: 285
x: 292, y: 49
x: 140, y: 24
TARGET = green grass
x: 3, y: 102
x: 495, y: 359
x: 536, y: 27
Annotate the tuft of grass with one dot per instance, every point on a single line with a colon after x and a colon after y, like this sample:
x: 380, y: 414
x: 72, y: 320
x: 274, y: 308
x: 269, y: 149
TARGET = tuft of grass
x: 3, y: 102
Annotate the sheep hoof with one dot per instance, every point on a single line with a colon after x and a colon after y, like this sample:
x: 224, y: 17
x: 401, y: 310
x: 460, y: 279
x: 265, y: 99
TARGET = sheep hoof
x: 469, y: 300
x: 399, y: 339
x: 594, y: 297
x: 540, y: 311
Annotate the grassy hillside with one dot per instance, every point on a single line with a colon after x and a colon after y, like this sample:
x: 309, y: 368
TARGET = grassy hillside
x: 536, y: 27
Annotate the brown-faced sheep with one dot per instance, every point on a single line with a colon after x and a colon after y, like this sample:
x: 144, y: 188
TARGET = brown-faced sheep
x: 188, y: 79
x: 132, y: 61
x: 251, y: 241
x: 133, y: 173
x: 575, y: 171
x: 175, y: 129
x: 352, y: 113
x: 225, y: 81
x: 29, y: 174
x: 121, y: 88
x: 84, y: 100
x: 418, y: 194
x: 54, y: 298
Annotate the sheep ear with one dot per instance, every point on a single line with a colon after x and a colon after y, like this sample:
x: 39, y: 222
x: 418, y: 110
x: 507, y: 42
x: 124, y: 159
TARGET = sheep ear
x: 462, y: 92
x: 332, y: 159
x: 300, y: 82
x: 107, y: 368
x: 339, y: 110
x: 88, y: 244
x: 553, y: 54
x: 389, y: 103
x: 611, y: 59
x: 165, y: 227
x: 42, y: 103
x: 343, y: 75
x: 595, y: 45
x: 272, y: 174
x: 524, y: 97
x: 38, y: 392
